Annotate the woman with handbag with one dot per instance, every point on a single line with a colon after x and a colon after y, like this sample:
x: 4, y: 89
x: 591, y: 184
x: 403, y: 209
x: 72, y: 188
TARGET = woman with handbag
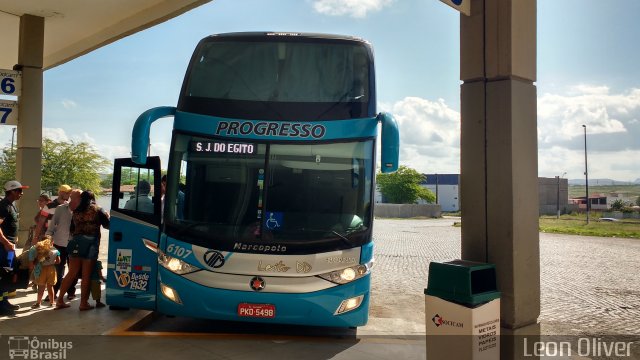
x: 84, y: 244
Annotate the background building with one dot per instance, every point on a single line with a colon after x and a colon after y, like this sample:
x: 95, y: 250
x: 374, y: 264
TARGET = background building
x: 446, y: 188
x: 554, y: 196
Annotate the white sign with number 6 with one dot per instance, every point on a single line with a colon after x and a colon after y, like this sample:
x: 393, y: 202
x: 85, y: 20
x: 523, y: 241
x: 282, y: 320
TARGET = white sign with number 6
x: 10, y: 82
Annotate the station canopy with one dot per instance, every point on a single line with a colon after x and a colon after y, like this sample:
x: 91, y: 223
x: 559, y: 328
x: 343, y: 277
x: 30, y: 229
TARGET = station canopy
x: 73, y: 28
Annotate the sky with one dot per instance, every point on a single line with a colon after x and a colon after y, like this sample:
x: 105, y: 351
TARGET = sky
x: 587, y: 73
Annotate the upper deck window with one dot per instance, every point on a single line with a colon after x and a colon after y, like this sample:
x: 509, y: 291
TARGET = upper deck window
x: 277, y: 80
x: 282, y: 72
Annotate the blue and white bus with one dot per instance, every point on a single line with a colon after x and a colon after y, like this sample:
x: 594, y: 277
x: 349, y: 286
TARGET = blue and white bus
x: 268, y: 210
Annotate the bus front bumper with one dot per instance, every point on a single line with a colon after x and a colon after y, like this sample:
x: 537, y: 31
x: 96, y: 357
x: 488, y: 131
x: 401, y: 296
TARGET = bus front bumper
x: 316, y: 308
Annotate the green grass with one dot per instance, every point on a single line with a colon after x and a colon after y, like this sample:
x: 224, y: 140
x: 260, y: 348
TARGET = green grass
x: 577, y: 225
x: 451, y: 213
x: 576, y: 191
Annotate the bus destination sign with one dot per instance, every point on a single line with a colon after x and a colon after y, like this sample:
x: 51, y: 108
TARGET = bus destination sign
x: 222, y: 147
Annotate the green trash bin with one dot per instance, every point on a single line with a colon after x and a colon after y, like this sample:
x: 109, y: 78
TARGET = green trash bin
x: 462, y: 308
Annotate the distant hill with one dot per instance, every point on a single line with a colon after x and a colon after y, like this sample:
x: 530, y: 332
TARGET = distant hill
x: 603, y: 182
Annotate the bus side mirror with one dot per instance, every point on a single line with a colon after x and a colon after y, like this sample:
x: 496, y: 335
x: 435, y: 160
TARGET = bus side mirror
x: 141, y: 129
x: 390, y: 143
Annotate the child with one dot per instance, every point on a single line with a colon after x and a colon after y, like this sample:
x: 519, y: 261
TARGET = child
x: 44, y: 257
x: 96, y: 277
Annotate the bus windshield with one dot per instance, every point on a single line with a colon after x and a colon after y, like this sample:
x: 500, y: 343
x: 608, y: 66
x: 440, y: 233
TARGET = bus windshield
x: 299, y: 193
x: 273, y: 79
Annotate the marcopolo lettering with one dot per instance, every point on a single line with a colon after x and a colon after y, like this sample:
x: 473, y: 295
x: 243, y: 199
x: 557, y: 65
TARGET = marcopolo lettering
x: 259, y: 248
x: 263, y: 128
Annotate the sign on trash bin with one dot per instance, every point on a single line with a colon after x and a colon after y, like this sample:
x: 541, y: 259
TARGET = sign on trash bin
x: 462, y: 308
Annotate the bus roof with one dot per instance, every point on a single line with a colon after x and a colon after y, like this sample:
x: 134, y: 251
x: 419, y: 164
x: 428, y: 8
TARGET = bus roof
x: 261, y: 36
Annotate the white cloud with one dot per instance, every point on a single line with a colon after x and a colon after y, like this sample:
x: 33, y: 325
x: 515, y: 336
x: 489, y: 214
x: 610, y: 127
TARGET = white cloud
x: 429, y: 134
x: 110, y: 152
x: 560, y: 117
x: 6, y: 133
x: 582, y: 89
x: 613, y: 131
x: 69, y: 104
x: 55, y: 134
x: 620, y: 165
x: 114, y: 151
x: 353, y: 8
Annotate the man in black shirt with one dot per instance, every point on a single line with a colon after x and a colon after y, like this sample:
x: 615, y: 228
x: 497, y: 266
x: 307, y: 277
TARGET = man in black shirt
x: 8, y: 237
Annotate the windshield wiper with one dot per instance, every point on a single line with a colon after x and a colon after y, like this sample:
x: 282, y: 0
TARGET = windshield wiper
x: 341, y: 236
x: 340, y: 100
x: 346, y: 239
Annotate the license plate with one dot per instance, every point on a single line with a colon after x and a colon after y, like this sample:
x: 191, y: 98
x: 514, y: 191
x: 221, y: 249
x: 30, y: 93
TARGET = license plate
x: 257, y: 310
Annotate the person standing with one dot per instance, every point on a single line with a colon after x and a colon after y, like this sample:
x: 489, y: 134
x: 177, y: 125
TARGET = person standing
x: 40, y: 219
x: 36, y: 232
x: 8, y: 237
x: 59, y: 230
x: 96, y: 278
x: 63, y: 198
x: 44, y: 256
x: 141, y: 201
x: 84, y: 245
x: 64, y: 191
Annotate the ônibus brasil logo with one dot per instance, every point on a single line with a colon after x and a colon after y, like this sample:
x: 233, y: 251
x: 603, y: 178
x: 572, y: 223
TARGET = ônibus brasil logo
x: 26, y: 347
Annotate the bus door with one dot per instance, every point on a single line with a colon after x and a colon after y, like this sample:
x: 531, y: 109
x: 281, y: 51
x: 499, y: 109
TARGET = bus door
x: 136, y: 205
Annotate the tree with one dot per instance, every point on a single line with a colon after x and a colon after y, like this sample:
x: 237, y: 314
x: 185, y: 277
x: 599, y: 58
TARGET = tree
x: 7, y: 166
x: 75, y: 164
x: 617, y: 205
x: 638, y: 201
x: 403, y: 186
x: 130, y: 176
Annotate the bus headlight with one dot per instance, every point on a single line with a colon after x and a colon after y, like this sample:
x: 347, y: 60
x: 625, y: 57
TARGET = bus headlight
x: 347, y: 275
x: 349, y: 304
x: 175, y: 265
x: 170, y: 294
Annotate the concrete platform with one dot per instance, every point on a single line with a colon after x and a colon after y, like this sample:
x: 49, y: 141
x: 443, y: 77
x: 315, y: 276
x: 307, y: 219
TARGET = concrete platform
x: 136, y: 334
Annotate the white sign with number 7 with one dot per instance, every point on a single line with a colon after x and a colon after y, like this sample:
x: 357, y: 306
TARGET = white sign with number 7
x: 8, y: 112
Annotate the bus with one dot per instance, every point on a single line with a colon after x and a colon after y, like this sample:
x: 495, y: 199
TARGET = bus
x: 267, y: 211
